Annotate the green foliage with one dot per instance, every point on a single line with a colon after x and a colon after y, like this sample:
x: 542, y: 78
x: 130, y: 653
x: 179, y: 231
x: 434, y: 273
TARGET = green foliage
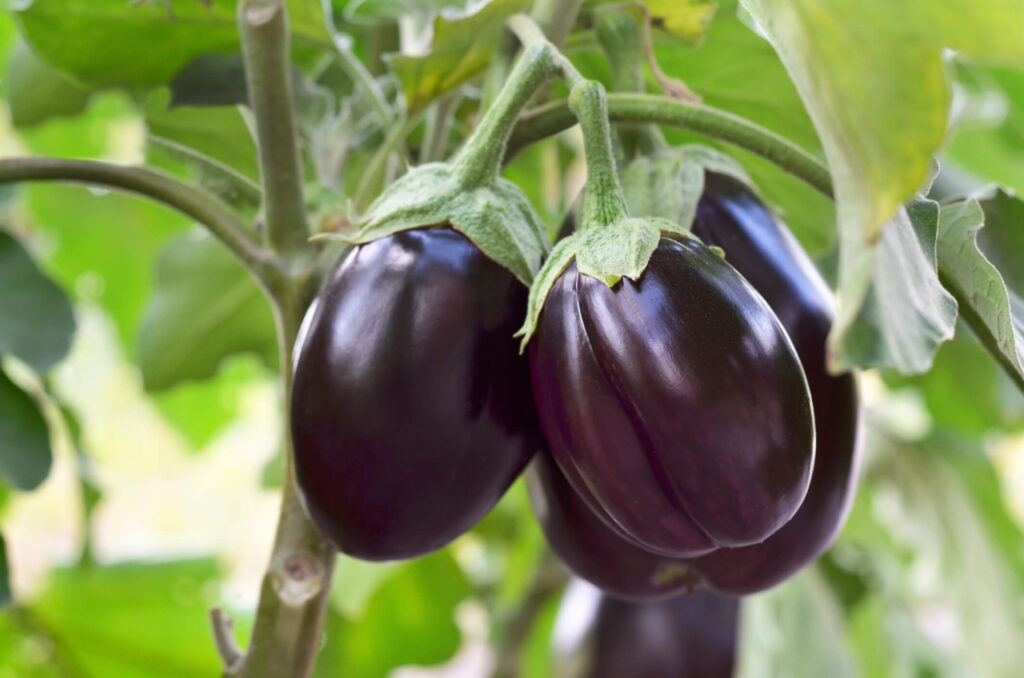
x: 205, y: 307
x: 850, y: 61
x: 36, y: 320
x: 25, y: 455
x: 687, y: 20
x: 39, y: 91
x: 892, y: 328
x: 413, y: 608
x: 5, y: 576
x: 129, y: 620
x: 106, y: 43
x: 462, y: 47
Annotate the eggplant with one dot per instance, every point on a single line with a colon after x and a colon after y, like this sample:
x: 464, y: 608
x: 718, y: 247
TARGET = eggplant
x: 411, y: 407
x: 589, y: 549
x: 763, y: 250
x: 687, y: 635
x: 675, y: 404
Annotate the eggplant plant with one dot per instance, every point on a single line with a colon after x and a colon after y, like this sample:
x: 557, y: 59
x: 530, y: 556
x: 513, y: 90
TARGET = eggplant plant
x: 762, y: 389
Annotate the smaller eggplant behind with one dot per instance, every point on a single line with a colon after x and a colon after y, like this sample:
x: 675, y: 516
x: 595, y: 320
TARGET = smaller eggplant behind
x: 686, y: 635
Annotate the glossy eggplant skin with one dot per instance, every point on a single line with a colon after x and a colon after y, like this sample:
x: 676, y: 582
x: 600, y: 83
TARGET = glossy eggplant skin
x: 411, y: 406
x: 730, y: 216
x: 675, y: 405
x: 590, y: 549
x: 683, y: 636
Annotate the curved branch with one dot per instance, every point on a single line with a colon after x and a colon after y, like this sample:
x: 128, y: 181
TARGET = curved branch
x: 555, y: 117
x: 222, y: 221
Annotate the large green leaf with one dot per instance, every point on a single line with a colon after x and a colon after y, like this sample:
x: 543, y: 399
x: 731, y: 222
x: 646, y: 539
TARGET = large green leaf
x: 906, y: 314
x: 408, y: 620
x: 116, y: 42
x: 25, y: 454
x: 462, y: 47
x: 978, y: 240
x: 205, y: 307
x: 736, y: 70
x: 36, y: 91
x: 36, y: 319
x: 133, y: 620
x: 851, y: 61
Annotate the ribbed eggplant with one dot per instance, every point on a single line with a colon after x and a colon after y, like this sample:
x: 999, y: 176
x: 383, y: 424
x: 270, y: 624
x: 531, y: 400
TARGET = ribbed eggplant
x: 730, y: 216
x: 675, y: 405
x: 687, y: 635
x: 590, y: 549
x: 411, y: 406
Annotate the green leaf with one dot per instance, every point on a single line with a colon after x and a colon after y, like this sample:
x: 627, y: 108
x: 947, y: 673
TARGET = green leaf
x: 134, y: 620
x: 737, y: 70
x: 905, y: 313
x: 200, y: 410
x: 850, y: 61
x: 36, y: 91
x: 107, y: 43
x: 795, y: 629
x: 462, y: 48
x: 408, y: 620
x: 205, y: 307
x: 5, y: 576
x: 36, y: 319
x: 687, y: 20
x: 219, y: 132
x: 997, y: 311
x: 25, y: 454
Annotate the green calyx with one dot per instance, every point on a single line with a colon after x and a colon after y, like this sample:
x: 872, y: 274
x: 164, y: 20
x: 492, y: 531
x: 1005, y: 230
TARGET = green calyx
x: 468, y: 194
x: 610, y: 244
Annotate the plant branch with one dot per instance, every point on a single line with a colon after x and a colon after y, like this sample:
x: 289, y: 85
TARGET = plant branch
x: 555, y: 117
x: 265, y: 50
x: 224, y: 638
x: 223, y: 222
x: 361, y: 76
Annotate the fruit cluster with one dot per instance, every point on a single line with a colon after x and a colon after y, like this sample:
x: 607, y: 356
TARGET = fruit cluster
x: 674, y: 417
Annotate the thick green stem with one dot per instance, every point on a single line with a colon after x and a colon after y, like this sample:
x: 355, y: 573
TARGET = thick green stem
x: 555, y: 117
x: 439, y: 126
x: 223, y: 222
x: 265, y: 49
x: 619, y: 35
x: 556, y: 19
x: 604, y: 202
x: 479, y: 162
x: 286, y: 633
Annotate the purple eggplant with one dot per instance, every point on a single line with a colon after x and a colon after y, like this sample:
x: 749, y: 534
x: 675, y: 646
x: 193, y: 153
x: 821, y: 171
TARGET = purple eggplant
x: 675, y: 405
x: 590, y: 549
x: 411, y: 406
x: 730, y: 216
x: 687, y: 635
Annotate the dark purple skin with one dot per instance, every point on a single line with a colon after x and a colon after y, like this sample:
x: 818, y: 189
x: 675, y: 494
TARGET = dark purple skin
x: 730, y: 216
x: 411, y: 407
x: 592, y: 551
x: 675, y: 405
x: 683, y: 636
